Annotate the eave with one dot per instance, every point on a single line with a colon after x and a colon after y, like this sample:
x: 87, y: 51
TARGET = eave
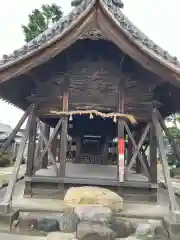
x: 112, y: 22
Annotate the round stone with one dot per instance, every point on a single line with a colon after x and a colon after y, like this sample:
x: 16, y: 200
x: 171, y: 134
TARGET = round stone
x: 123, y: 228
x: 94, y: 231
x: 68, y: 222
x: 94, y: 213
x: 101, y: 196
x: 48, y: 225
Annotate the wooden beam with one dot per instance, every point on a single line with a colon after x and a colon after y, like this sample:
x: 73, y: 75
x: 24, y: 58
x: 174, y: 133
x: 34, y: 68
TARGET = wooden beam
x: 138, y: 162
x: 52, y: 158
x: 6, y: 204
x: 49, y: 142
x: 15, y: 131
x: 153, y: 153
x: 63, y: 143
x: 46, y: 134
x: 31, y: 143
x: 39, y: 146
x: 170, y: 138
x: 54, y: 147
x: 163, y: 158
x: 137, y: 149
x: 120, y: 125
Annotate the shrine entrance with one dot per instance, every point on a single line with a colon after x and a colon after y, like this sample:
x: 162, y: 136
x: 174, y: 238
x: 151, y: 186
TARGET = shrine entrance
x: 92, y: 139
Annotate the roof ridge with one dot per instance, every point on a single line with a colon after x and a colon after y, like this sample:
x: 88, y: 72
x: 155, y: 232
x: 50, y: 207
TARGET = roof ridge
x: 138, y: 35
x: 114, y: 8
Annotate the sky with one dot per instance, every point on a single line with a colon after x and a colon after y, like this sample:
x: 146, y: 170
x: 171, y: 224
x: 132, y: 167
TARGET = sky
x: 158, y: 19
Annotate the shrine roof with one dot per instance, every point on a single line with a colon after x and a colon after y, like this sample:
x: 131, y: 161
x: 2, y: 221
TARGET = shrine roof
x: 113, y: 8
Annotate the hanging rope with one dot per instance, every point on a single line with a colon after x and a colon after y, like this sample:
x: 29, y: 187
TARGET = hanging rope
x: 93, y: 113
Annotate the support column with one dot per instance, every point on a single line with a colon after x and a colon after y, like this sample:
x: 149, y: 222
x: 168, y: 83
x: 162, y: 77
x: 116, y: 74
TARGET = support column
x: 54, y: 147
x: 64, y: 128
x: 59, y: 145
x: 31, y: 150
x: 47, y: 133
x: 120, y: 161
x: 153, y: 153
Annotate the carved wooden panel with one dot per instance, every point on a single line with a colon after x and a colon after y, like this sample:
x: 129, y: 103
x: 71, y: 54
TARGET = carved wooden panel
x: 94, y: 83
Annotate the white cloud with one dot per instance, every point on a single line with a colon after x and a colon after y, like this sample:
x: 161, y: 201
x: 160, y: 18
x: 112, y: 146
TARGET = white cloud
x: 158, y: 19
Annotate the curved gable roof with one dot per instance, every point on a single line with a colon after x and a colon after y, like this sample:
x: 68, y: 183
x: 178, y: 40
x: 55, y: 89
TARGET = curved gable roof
x: 112, y: 8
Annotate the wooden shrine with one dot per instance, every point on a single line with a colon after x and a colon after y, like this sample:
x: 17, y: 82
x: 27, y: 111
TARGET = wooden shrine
x: 95, y: 91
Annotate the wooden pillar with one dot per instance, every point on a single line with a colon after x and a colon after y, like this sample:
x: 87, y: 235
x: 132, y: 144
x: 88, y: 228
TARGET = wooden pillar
x: 78, y: 149
x: 31, y: 143
x: 120, y: 125
x: 54, y: 146
x: 59, y: 145
x: 64, y: 128
x: 46, y: 133
x: 31, y: 151
x: 153, y: 153
x: 138, y: 162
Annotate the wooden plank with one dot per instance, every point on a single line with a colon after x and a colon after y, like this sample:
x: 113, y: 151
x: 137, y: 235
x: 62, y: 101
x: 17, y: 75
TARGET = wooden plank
x: 121, y: 144
x: 137, y: 149
x: 54, y: 147
x: 163, y: 158
x: 63, y: 143
x: 46, y: 135
x: 15, y: 131
x: 153, y: 153
x: 49, y: 149
x: 12, y: 181
x: 50, y: 140
x: 31, y: 143
x: 170, y: 138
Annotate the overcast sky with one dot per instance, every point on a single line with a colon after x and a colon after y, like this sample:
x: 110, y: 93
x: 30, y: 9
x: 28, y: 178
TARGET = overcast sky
x: 159, y: 19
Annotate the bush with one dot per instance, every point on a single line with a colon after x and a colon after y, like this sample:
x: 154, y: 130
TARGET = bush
x: 6, y: 160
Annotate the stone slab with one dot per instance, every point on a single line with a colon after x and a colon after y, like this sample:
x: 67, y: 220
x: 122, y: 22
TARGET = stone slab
x: 9, y: 218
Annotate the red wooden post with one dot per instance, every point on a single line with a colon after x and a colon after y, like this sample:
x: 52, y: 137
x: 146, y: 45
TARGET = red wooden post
x: 121, y: 159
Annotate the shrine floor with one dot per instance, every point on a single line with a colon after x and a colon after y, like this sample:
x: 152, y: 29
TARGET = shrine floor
x: 93, y: 171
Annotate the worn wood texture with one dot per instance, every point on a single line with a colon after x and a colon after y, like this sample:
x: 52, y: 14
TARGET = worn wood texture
x: 153, y: 153
x: 164, y: 162
x: 137, y: 148
x: 11, y: 185
x: 120, y: 127
x: 47, y: 135
x: 93, y: 83
x: 47, y: 146
x: 15, y: 131
x: 32, y: 142
x: 63, y: 144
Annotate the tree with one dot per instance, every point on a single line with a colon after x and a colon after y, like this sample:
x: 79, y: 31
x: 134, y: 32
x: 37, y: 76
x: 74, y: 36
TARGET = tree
x: 40, y: 20
x: 174, y: 119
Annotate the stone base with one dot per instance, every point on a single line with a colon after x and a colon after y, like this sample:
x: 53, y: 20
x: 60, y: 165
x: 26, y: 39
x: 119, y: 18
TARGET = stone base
x: 9, y: 218
x: 172, y: 226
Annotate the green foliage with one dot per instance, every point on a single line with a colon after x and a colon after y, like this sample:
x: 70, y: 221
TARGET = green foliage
x: 40, y: 20
x: 175, y: 132
x: 6, y: 160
